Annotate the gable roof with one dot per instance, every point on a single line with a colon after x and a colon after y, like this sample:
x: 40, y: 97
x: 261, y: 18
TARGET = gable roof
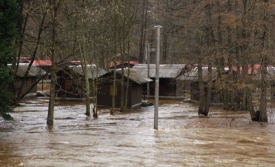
x: 193, y: 74
x: 92, y: 71
x: 34, y: 71
x: 165, y: 70
x: 135, y: 76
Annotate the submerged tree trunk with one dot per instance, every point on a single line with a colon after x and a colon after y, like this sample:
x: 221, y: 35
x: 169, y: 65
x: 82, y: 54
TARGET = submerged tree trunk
x: 87, y: 91
x: 114, y: 88
x: 263, y: 101
x: 54, y: 5
x: 128, y: 74
x: 84, y: 66
x: 95, y: 91
x: 50, y: 117
x: 248, y: 94
x: 209, y: 90
x: 201, y: 89
x: 209, y: 44
x: 114, y: 91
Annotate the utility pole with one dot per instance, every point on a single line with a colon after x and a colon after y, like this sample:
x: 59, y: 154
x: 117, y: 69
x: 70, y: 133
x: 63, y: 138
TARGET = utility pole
x: 157, y: 79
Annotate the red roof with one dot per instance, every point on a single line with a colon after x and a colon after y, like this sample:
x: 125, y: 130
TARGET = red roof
x: 40, y: 62
x: 119, y: 64
x: 256, y: 69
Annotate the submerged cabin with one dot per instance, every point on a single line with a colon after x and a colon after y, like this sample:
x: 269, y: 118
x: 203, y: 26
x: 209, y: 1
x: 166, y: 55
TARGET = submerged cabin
x: 71, y: 81
x: 191, y: 84
x: 131, y: 78
x: 30, y: 81
x: 169, y: 86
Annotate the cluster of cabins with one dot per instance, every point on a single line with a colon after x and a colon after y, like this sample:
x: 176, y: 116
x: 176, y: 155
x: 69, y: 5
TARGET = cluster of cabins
x: 176, y: 81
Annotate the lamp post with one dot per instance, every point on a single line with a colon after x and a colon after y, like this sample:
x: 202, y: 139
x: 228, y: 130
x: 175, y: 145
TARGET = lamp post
x: 157, y: 79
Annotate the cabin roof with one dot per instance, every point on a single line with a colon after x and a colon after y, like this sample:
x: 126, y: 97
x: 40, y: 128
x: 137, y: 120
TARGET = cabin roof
x: 135, y: 76
x: 92, y: 71
x: 165, y: 70
x: 47, y: 63
x: 34, y: 71
x: 193, y: 74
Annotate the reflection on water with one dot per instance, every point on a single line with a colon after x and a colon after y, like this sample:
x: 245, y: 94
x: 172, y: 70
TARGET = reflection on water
x: 128, y: 139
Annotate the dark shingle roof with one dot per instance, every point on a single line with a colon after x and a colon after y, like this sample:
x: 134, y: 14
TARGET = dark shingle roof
x: 165, y: 70
x: 34, y: 71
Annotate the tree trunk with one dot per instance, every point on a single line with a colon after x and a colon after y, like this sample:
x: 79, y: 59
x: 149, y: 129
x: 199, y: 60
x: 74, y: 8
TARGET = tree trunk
x: 143, y: 30
x: 115, y: 60
x: 95, y: 91
x: 20, y: 93
x: 54, y: 5
x: 84, y: 66
x: 128, y: 74
x: 209, y: 90
x: 263, y: 101
x: 50, y: 117
x: 201, y: 88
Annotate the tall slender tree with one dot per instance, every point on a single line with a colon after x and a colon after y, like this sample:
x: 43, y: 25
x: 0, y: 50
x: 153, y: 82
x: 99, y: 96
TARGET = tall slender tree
x: 54, y: 9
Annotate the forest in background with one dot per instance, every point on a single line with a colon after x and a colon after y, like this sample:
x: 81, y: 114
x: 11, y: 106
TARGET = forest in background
x: 216, y: 33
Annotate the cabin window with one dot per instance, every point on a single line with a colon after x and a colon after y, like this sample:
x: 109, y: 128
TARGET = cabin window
x: 29, y: 82
x: 111, y: 90
x: 182, y: 84
x: 68, y: 84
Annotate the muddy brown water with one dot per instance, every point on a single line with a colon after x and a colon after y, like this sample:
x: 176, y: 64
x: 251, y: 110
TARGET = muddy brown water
x: 128, y: 139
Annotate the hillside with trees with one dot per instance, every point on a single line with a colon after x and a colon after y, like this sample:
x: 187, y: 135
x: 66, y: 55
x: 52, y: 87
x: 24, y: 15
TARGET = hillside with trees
x: 216, y: 33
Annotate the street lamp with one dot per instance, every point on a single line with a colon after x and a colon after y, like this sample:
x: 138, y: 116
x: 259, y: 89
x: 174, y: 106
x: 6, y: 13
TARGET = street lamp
x: 157, y: 79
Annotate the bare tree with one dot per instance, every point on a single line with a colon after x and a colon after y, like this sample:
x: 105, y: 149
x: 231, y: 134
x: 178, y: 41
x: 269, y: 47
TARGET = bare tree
x: 54, y: 9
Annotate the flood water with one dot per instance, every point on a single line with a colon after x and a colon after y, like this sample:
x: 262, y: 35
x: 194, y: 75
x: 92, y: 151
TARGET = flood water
x: 128, y: 139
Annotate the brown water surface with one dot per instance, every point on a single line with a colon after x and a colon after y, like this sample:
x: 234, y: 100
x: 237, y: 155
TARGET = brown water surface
x: 128, y: 139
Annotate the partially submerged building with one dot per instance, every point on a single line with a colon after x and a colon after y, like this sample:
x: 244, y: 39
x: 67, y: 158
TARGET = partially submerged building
x: 252, y: 77
x: 71, y: 81
x: 106, y: 91
x: 190, y: 81
x: 169, y: 86
x: 34, y: 74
